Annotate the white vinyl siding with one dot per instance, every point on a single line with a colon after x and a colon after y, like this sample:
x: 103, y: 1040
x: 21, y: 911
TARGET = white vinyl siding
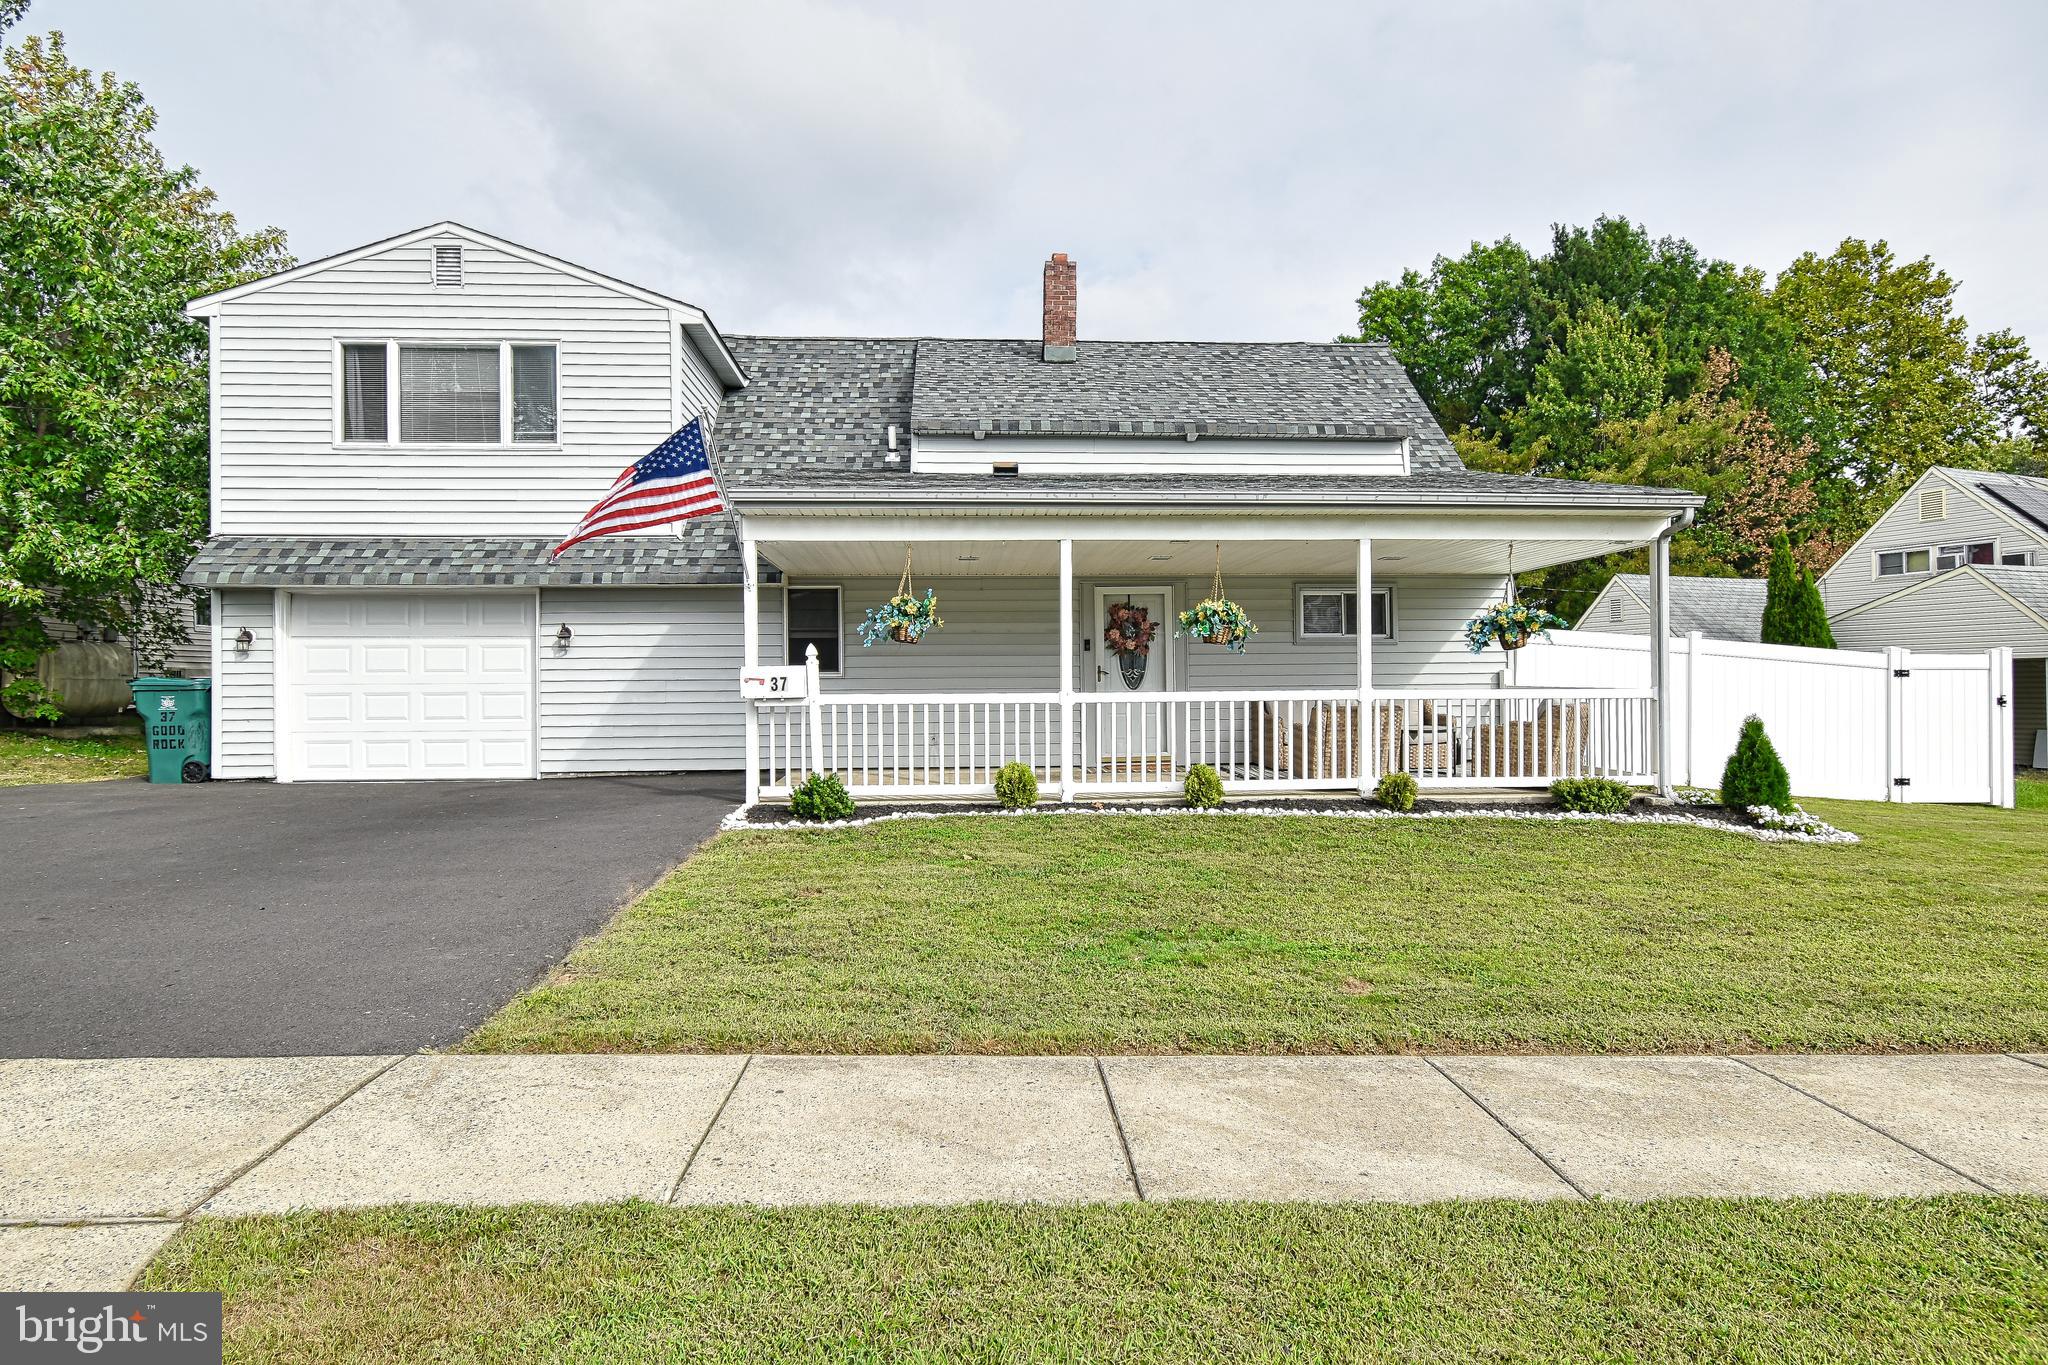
x: 281, y: 469
x: 1860, y: 575
x: 242, y: 688
x: 649, y: 681
x: 1001, y: 635
x: 1957, y: 614
x: 1055, y: 455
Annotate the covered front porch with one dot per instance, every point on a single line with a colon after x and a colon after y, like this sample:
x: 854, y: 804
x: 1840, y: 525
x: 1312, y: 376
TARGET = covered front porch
x: 1359, y: 668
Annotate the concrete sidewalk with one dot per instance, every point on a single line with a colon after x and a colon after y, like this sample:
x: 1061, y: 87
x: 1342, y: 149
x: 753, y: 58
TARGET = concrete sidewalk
x: 115, y: 1154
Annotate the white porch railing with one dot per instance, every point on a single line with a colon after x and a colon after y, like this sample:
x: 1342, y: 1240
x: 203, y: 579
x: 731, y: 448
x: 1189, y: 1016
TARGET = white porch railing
x: 952, y: 744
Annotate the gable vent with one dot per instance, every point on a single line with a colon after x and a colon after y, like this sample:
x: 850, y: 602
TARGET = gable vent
x: 1614, y: 611
x: 447, y: 267
x: 1933, y: 504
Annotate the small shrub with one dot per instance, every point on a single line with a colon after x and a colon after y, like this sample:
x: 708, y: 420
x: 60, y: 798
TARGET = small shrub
x: 1204, y: 787
x: 1595, y: 795
x: 1016, y: 786
x: 1396, y: 791
x: 821, y: 796
x: 1755, y: 776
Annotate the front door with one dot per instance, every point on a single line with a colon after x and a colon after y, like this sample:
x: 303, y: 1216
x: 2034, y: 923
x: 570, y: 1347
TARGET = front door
x: 1133, y: 652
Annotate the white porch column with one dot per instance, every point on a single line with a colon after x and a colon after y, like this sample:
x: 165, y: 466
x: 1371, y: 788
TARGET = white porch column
x: 750, y: 652
x: 1368, y: 729
x: 1660, y: 655
x: 1066, y: 657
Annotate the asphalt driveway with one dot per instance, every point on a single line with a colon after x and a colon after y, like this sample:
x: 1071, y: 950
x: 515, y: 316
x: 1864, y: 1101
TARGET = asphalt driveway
x: 250, y: 919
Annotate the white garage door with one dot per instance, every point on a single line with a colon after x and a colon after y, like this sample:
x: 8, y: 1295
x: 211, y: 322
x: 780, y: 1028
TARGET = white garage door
x: 409, y: 685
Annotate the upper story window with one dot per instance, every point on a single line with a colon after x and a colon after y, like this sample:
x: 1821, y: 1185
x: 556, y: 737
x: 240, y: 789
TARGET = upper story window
x: 469, y: 393
x: 1955, y: 556
x: 2017, y: 557
x: 1892, y: 563
x: 1332, y: 613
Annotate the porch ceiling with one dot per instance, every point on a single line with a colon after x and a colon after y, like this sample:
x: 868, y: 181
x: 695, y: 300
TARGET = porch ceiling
x: 1392, y: 558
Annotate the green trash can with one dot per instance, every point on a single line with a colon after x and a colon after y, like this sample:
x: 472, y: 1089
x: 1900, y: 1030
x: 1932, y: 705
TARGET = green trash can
x: 177, y: 720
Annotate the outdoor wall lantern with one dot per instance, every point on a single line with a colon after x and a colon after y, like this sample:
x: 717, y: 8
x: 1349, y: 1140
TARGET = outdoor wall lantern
x: 243, y: 638
x: 562, y: 635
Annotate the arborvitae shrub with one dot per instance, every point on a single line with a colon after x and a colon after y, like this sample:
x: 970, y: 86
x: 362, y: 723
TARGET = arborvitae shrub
x: 1755, y: 776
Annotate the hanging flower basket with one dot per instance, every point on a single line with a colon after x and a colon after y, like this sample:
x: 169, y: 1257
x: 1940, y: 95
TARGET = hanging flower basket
x: 1510, y: 624
x: 903, y: 618
x: 1218, y: 621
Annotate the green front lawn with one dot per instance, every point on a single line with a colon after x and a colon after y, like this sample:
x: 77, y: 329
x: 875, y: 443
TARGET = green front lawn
x: 1131, y: 934
x: 2030, y: 792
x: 27, y: 756
x: 1841, y: 1279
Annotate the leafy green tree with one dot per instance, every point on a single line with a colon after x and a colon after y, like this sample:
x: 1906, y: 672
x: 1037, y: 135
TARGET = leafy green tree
x: 103, y: 475
x: 2012, y: 386
x: 1605, y: 372
x: 1896, y: 390
x: 1464, y: 332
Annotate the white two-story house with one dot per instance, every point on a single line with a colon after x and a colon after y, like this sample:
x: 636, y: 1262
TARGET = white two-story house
x: 400, y: 433
x: 1958, y: 564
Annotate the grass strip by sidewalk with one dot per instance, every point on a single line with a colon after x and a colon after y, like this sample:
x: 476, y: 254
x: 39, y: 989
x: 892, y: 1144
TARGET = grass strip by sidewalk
x: 28, y: 757
x: 1838, y: 1279
x: 1107, y: 934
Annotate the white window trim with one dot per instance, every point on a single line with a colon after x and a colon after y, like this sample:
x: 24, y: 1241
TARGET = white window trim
x: 1386, y: 590
x: 1964, y: 546
x: 838, y: 621
x: 1877, y: 565
x: 392, y: 419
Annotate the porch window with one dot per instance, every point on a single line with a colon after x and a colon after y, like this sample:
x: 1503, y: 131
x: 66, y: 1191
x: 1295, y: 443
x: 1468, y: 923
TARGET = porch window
x: 1892, y: 563
x: 1955, y: 556
x: 810, y: 616
x: 1331, y: 613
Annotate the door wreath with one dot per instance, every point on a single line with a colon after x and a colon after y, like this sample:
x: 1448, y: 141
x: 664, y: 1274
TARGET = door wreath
x: 1129, y: 636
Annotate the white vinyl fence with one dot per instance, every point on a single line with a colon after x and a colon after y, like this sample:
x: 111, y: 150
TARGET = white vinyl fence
x: 1890, y: 725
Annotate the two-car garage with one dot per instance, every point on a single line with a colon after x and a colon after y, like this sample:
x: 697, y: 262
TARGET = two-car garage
x: 408, y: 685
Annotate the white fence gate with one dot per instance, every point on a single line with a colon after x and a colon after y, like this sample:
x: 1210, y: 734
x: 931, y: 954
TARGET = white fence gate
x: 1886, y: 725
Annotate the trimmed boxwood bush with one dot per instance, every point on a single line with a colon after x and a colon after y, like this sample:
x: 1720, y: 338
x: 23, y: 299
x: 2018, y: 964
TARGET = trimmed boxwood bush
x: 1016, y: 786
x: 1396, y: 791
x: 821, y: 796
x: 1755, y: 776
x: 1596, y: 795
x: 1204, y: 787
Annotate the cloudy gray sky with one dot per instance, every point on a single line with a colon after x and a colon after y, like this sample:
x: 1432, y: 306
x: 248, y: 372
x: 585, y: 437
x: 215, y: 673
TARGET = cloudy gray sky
x: 1219, y: 170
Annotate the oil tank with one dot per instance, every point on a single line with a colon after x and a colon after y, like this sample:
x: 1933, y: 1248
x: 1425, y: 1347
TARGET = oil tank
x: 90, y: 680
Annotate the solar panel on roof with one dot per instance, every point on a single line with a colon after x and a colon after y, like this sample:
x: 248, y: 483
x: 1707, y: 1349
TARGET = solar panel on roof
x: 2026, y: 499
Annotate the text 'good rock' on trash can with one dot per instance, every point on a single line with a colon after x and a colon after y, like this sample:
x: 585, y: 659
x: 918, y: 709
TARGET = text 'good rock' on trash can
x: 178, y: 723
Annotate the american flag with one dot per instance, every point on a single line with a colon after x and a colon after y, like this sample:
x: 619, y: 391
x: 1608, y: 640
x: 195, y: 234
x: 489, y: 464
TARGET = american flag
x: 672, y: 482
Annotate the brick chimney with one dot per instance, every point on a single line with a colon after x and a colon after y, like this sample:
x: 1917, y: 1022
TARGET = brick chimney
x: 1061, y: 302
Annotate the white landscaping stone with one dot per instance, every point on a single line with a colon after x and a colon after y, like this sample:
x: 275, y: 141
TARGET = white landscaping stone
x: 153, y: 1136
x: 912, y: 1130
x: 497, y: 1130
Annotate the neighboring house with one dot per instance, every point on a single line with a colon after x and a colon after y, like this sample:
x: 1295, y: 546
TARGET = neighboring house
x: 1960, y: 563
x: 401, y: 431
x: 1718, y: 608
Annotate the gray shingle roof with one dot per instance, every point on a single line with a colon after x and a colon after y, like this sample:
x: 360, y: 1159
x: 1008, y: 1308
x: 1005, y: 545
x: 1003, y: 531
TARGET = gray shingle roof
x: 706, y: 552
x: 1264, y: 390
x: 2028, y: 584
x: 821, y: 405
x: 1718, y: 608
